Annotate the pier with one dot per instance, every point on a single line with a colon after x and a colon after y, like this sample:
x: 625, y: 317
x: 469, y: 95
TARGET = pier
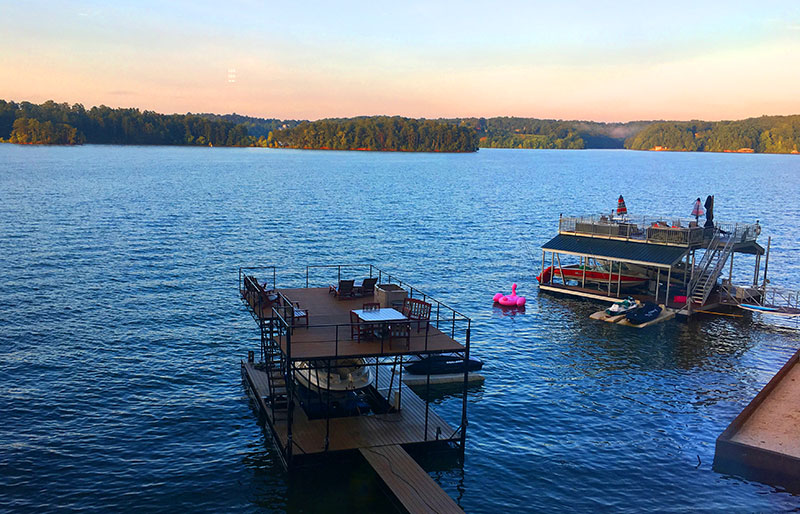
x: 310, y: 324
x: 762, y: 443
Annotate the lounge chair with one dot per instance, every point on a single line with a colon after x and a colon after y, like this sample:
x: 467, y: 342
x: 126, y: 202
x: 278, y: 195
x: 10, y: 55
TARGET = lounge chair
x: 367, y: 287
x: 344, y: 290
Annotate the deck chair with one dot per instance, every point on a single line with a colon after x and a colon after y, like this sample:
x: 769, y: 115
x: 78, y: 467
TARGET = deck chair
x: 367, y: 287
x: 344, y: 290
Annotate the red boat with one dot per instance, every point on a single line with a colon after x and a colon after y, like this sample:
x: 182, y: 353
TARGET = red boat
x: 593, y: 275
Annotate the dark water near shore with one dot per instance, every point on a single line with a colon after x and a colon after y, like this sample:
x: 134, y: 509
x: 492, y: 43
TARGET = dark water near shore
x: 121, y: 332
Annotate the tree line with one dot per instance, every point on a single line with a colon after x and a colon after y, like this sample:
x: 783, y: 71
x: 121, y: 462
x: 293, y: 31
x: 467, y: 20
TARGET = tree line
x: 380, y: 133
x: 61, y: 123
x: 766, y: 134
x: 64, y: 124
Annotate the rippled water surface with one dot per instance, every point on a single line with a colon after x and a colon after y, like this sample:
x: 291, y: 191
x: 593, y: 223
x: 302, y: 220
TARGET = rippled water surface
x: 121, y: 332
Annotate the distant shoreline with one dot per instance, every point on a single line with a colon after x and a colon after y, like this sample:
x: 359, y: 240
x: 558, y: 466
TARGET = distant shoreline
x: 51, y: 123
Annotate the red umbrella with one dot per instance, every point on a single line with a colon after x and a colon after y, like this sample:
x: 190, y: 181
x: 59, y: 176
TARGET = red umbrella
x: 697, y: 211
x: 621, y: 209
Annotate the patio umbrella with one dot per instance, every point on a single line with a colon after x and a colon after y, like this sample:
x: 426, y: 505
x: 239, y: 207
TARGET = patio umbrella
x: 709, y: 205
x: 621, y: 209
x: 697, y: 211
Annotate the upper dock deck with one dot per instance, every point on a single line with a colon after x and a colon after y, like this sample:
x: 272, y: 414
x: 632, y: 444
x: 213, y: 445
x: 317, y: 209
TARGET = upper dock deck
x: 324, y: 328
x: 661, y: 230
x: 328, y: 333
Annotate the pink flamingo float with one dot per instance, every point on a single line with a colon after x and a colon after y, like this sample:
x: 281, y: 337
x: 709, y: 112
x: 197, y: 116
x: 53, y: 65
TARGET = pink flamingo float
x: 510, y: 300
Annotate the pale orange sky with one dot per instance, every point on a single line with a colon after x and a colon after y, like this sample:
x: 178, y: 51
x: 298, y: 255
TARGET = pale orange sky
x: 716, y: 61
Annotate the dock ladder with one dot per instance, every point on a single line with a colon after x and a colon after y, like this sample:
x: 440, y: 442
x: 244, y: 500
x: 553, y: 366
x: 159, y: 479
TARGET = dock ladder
x: 710, y: 267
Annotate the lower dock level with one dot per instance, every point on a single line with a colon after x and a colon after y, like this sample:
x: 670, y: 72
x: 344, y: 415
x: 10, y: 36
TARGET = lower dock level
x: 378, y: 437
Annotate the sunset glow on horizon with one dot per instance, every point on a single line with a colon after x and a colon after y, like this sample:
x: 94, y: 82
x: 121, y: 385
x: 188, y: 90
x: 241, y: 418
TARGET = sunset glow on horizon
x: 726, y: 60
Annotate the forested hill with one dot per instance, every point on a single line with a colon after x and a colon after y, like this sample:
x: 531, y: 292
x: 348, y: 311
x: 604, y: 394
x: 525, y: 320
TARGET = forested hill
x: 61, y: 123
x: 256, y: 127
x: 64, y: 124
x: 767, y: 134
x: 379, y: 133
x: 511, y: 132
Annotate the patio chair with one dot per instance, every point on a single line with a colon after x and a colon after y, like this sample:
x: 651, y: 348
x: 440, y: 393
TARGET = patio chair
x: 358, y: 329
x: 367, y: 287
x: 294, y: 314
x: 344, y: 290
x: 400, y: 332
x: 416, y: 310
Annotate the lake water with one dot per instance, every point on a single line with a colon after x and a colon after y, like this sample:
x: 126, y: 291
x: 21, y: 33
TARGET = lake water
x: 121, y: 330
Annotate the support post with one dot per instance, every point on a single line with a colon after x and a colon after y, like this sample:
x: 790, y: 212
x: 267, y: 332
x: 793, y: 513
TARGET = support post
x: 658, y: 282
x: 619, y: 279
x: 610, y: 274
x: 585, y: 261
x: 289, y: 398
x: 766, y: 262
x: 669, y: 278
x: 464, y: 393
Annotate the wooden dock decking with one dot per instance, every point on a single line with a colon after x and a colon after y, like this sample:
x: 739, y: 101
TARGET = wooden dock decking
x: 328, y: 334
x: 762, y: 442
x: 410, y: 484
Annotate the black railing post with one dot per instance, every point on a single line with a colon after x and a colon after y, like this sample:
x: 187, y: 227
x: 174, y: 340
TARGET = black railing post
x: 289, y: 397
x: 466, y: 384
x: 327, y: 407
x: 306, y: 277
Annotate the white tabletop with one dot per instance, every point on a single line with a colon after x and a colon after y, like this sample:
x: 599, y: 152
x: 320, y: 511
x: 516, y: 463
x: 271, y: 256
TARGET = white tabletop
x: 383, y: 314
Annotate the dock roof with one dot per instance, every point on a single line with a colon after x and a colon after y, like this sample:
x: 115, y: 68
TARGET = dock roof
x: 622, y: 251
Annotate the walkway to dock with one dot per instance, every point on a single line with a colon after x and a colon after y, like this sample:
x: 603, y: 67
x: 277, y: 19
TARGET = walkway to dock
x: 410, y: 484
x: 762, y: 442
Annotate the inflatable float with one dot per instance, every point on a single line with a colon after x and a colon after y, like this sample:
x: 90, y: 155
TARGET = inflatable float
x: 510, y: 300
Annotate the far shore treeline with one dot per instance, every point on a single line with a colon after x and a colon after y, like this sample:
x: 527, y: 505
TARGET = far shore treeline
x: 61, y: 123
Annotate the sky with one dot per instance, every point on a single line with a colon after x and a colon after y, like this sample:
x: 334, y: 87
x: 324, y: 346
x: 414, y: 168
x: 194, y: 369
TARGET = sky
x: 589, y: 60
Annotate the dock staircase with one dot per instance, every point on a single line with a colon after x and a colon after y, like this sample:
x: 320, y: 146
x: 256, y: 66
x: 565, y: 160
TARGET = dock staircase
x: 274, y: 367
x: 710, y: 268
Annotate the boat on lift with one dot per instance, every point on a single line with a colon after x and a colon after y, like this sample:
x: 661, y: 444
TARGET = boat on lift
x: 597, y: 274
x: 342, y: 376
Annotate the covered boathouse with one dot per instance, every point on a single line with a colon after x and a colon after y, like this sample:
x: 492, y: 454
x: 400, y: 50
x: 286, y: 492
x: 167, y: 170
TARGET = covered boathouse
x: 665, y: 260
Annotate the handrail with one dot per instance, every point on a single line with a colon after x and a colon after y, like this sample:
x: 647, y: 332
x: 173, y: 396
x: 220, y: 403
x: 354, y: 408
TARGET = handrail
x: 704, y: 262
x: 651, y: 229
x: 721, y: 257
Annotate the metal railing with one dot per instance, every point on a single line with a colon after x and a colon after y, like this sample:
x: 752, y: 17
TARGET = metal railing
x: 652, y: 229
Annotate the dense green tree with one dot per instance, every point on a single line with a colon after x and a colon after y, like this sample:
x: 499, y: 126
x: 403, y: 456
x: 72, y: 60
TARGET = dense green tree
x: 379, y: 133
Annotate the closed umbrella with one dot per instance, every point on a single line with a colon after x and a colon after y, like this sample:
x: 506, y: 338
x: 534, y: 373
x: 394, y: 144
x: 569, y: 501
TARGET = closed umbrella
x: 621, y: 209
x: 709, y: 205
x: 697, y: 211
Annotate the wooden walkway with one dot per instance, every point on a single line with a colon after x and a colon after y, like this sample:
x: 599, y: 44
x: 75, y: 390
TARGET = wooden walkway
x: 762, y: 442
x: 409, y: 483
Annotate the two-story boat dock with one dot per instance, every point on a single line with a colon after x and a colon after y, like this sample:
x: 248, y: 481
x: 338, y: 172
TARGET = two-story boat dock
x: 311, y: 335
x: 664, y: 260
